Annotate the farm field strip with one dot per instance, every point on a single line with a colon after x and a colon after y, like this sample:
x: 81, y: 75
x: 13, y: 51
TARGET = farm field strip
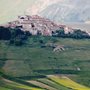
x: 53, y: 84
x: 42, y: 85
x: 65, y: 81
x: 18, y: 85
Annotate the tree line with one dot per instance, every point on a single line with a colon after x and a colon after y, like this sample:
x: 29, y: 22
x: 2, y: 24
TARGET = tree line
x: 77, y: 34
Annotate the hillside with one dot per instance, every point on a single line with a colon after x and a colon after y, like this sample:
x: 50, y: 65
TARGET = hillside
x: 68, y: 11
x: 36, y: 59
x: 43, y: 48
x: 37, y: 54
x: 64, y: 10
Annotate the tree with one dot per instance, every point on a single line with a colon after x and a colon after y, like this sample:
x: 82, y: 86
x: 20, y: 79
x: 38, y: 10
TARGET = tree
x: 59, y: 33
x: 78, y: 34
x: 5, y: 33
x: 19, y: 36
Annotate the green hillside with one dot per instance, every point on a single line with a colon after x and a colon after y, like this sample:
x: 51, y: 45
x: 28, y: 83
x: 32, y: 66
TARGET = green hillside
x: 36, y: 58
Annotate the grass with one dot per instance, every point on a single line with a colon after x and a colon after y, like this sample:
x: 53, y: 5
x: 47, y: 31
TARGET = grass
x: 3, y: 88
x: 22, y: 61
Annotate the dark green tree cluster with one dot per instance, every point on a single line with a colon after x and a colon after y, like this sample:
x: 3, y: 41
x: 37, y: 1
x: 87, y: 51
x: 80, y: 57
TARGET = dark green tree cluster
x: 5, y: 33
x: 18, y: 37
x: 77, y: 34
x: 15, y: 36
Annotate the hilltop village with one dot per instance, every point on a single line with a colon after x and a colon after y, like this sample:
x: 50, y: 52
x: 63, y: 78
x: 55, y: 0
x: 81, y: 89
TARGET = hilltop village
x: 36, y: 24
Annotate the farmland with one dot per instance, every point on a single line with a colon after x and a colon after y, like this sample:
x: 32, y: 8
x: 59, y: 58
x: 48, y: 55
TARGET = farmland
x: 32, y: 62
x: 51, y: 82
x: 68, y: 83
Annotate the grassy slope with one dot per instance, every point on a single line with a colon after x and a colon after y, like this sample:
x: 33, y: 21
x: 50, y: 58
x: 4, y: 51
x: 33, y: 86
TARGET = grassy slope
x: 3, y: 88
x: 21, y: 61
x: 67, y: 82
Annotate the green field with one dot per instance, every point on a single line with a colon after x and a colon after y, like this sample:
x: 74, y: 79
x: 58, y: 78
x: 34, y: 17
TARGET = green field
x: 32, y: 60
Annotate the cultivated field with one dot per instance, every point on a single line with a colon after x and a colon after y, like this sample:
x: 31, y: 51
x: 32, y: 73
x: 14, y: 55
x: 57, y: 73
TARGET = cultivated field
x: 33, y: 61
